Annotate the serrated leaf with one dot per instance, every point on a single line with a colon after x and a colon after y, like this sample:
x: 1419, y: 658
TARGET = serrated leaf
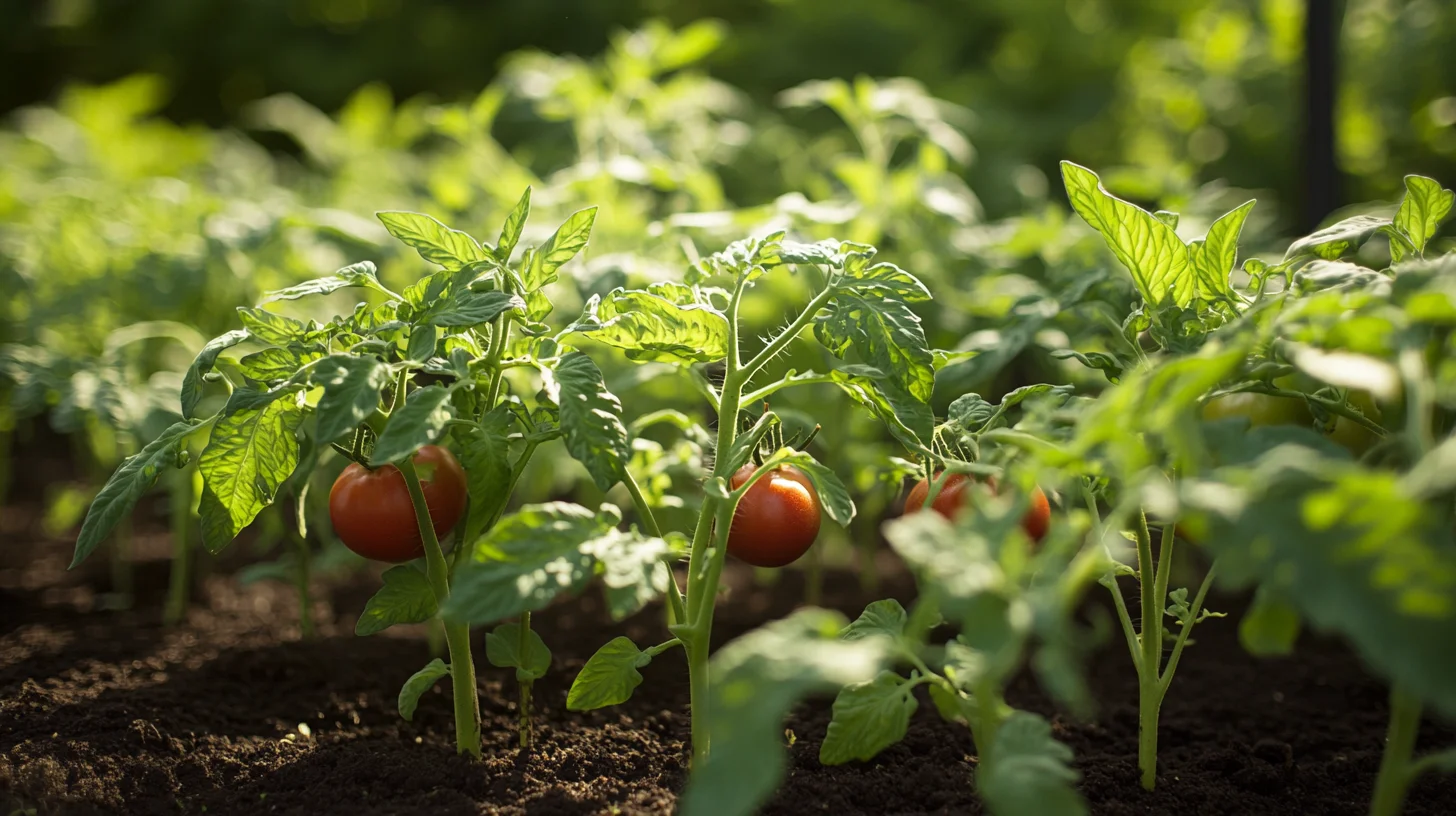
x: 275, y: 364
x: 591, y: 419
x: 609, y: 677
x: 510, y: 233
x: 756, y: 680
x: 435, y: 242
x: 268, y: 327
x: 406, y: 597
x: 1028, y: 771
x: 419, y: 683
x: 360, y: 274
x: 879, y: 619
x: 503, y: 650
x: 206, y: 359
x: 484, y: 452
x: 1337, y: 239
x: 524, y: 562
x: 1214, y: 257
x: 885, y: 334
x: 868, y: 718
x: 650, y: 327
x: 563, y: 245
x: 248, y: 457
x: 352, y: 385
x: 1425, y: 205
x: 419, y: 423
x: 887, y: 280
x: 832, y: 493
x: 908, y: 419
x: 1147, y: 247
x: 633, y: 570
x: 470, y: 308
x: 128, y: 484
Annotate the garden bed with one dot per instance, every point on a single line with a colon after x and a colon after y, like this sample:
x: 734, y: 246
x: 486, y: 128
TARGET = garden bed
x: 111, y: 712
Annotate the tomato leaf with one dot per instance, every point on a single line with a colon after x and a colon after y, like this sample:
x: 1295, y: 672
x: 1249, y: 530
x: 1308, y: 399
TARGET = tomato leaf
x: 1338, y: 239
x: 352, y: 385
x: 908, y: 419
x: 128, y: 484
x: 649, y: 326
x: 206, y: 359
x: 883, y: 332
x: 251, y: 452
x: 1270, y: 626
x: 470, y: 308
x: 1029, y: 771
x: 419, y: 683
x: 1425, y: 205
x: 484, y: 452
x: 756, y: 680
x: 609, y: 677
x: 633, y: 569
x: 868, y: 718
x: 419, y: 423
x: 832, y: 493
x: 1214, y: 257
x: 359, y: 274
x: 885, y: 619
x: 540, y: 267
x: 268, y: 327
x: 525, y: 561
x: 406, y: 597
x: 591, y: 418
x: 503, y: 650
x: 1146, y: 246
x: 435, y: 242
x: 510, y: 233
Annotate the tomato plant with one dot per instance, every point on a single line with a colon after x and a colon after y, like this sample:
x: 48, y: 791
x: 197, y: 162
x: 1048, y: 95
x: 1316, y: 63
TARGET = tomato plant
x: 372, y: 512
x: 777, y: 520
x: 953, y: 496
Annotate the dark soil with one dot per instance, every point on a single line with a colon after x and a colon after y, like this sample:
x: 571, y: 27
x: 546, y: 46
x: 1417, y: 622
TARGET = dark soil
x: 233, y: 714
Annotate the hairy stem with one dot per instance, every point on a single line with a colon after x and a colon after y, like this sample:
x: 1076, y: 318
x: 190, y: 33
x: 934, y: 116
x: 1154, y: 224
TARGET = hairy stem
x: 1149, y: 700
x: 457, y: 635
x: 1395, y: 765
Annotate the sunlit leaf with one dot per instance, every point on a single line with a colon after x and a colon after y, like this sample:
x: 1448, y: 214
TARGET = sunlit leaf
x: 435, y: 242
x: 248, y: 457
x: 1149, y: 248
x: 406, y: 597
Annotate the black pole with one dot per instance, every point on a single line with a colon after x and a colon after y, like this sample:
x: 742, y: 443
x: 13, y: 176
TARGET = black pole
x: 1321, y: 78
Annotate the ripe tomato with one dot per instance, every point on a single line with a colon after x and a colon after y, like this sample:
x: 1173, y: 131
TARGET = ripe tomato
x: 372, y: 512
x: 777, y: 520
x: 1259, y: 409
x: 953, y: 495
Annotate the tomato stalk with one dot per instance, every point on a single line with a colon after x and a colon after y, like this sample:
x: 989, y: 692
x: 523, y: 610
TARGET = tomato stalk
x: 457, y: 635
x: 1396, y: 768
x: 179, y: 582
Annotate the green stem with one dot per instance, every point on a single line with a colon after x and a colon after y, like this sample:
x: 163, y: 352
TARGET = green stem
x: 497, y: 346
x: 179, y: 582
x: 524, y: 631
x: 988, y: 705
x: 1149, y: 700
x: 757, y: 395
x: 1395, y: 765
x: 302, y: 579
x: 457, y: 635
x: 1167, y: 678
x: 649, y: 521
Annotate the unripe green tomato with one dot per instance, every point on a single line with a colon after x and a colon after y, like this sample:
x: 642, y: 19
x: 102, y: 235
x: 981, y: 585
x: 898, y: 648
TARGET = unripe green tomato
x: 1351, y: 435
x: 1259, y: 409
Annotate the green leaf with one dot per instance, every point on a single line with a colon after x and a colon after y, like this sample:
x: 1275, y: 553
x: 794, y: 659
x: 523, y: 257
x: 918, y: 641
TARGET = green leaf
x: 650, y: 327
x: 435, y: 242
x: 352, y: 385
x: 756, y: 680
x: 503, y: 650
x: 634, y: 573
x: 474, y: 308
x: 484, y: 452
x: 267, y: 327
x: 908, y: 419
x: 1321, y: 275
x: 275, y: 364
x: 422, y: 340
x: 591, y: 419
x: 406, y: 597
x: 419, y: 683
x: 128, y: 484
x: 1214, y: 257
x: 206, y: 359
x: 1337, y: 239
x: 880, y: 619
x: 1149, y: 248
x: 886, y: 280
x: 359, y: 274
x: 1425, y: 205
x: 570, y: 238
x: 524, y: 562
x: 885, y: 334
x: 250, y: 454
x: 868, y: 718
x: 832, y: 493
x: 1029, y: 771
x: 419, y: 423
x: 609, y: 677
x: 1270, y: 626
x: 510, y: 233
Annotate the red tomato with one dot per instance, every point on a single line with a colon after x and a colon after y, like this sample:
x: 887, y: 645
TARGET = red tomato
x: 953, y: 495
x: 372, y: 512
x: 777, y: 520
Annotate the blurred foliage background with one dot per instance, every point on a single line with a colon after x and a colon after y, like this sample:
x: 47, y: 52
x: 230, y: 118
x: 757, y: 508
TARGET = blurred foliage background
x: 162, y: 163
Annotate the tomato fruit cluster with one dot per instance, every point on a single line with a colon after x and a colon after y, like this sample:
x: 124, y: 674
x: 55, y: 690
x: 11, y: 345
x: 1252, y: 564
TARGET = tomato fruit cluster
x: 955, y: 493
x: 777, y: 520
x: 372, y: 512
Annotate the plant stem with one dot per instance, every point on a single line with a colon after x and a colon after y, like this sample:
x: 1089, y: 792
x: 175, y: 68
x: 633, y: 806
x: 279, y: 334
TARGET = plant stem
x: 302, y: 578
x: 179, y: 582
x: 1151, y: 641
x: 525, y: 630
x: 1400, y: 741
x: 457, y: 635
